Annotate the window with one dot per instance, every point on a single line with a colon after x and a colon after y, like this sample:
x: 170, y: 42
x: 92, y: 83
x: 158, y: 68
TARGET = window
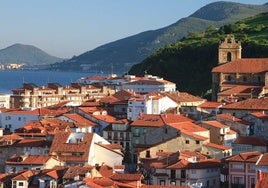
x: 229, y: 78
x: 197, y: 142
x: 244, y: 78
x: 229, y: 56
x: 207, y: 183
x: 137, y: 132
x: 172, y: 174
x: 193, y: 171
x: 162, y: 182
x: 187, y: 141
x: 183, y: 174
x: 20, y: 183
x: 252, y: 182
x: 238, y: 166
x: 238, y: 180
x: 148, y: 154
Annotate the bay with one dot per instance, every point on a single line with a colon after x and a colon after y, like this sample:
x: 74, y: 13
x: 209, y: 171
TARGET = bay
x: 11, y: 79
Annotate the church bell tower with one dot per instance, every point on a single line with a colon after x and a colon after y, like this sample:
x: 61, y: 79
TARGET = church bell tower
x: 229, y: 50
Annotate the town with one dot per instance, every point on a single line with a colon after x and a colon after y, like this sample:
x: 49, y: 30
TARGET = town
x: 132, y: 131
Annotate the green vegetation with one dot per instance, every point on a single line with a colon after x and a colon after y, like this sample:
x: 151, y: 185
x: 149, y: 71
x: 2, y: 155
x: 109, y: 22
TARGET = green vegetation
x: 124, y: 53
x: 189, y: 62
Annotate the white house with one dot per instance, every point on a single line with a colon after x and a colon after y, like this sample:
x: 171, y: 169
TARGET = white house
x: 4, y: 101
x: 14, y: 119
x: 84, y: 149
x: 18, y: 163
x: 149, y: 84
x: 152, y: 103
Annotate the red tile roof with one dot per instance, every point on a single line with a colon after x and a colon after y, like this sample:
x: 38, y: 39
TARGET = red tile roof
x: 28, y: 160
x: 162, y: 186
x: 215, y: 124
x: 254, y: 141
x: 249, y: 104
x: 217, y: 146
x: 26, y: 142
x: 263, y: 161
x: 251, y: 157
x: 188, y: 154
x: 241, y: 90
x: 80, y: 121
x: 231, y: 118
x: 245, y: 65
x: 60, y: 145
x: 262, y: 181
x: 77, y: 170
x: 127, y: 177
x: 105, y: 170
x: 183, y: 97
x: 260, y: 115
x: 158, y: 120
x: 188, y: 127
x: 104, y: 182
x: 184, y: 164
x: 24, y: 175
x: 209, y: 104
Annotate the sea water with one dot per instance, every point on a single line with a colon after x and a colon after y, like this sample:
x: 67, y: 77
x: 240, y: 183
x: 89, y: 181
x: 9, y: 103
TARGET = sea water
x: 12, y: 79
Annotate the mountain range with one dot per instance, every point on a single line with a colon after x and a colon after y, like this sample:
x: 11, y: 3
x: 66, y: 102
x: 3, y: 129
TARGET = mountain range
x: 119, y: 56
x: 26, y: 54
x: 189, y: 62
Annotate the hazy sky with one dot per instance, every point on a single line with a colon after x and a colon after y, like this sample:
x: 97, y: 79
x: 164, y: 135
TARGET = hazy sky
x: 70, y: 27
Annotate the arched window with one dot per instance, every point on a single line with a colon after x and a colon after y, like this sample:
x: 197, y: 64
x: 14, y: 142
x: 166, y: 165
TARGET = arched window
x: 229, y: 56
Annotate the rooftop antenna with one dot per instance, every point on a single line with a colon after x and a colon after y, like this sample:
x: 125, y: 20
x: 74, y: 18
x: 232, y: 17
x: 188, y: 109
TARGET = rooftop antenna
x: 112, y: 68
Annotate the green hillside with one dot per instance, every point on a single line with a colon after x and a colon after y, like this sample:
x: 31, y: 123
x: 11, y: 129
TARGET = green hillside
x: 189, y: 62
x: 26, y: 54
x: 124, y: 53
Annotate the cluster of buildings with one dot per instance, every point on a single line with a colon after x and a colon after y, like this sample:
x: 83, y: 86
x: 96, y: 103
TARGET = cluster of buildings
x: 12, y: 66
x: 124, y: 132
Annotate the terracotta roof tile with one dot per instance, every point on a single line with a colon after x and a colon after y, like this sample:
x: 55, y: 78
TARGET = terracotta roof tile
x: 209, y: 104
x: 184, y: 164
x: 231, y: 118
x: 127, y: 177
x: 188, y: 154
x: 242, y: 90
x: 105, y: 170
x: 249, y: 104
x: 217, y: 146
x: 60, y: 145
x: 26, y: 175
x: 104, y: 182
x: 262, y: 181
x: 77, y: 170
x: 263, y: 161
x: 245, y: 157
x: 158, y: 120
x: 28, y: 160
x: 188, y: 127
x: 183, y: 97
x: 254, y: 141
x: 215, y: 124
x: 80, y: 121
x: 260, y: 115
x: 244, y: 65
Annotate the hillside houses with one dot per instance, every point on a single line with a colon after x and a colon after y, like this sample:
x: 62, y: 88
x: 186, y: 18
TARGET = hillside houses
x: 133, y: 132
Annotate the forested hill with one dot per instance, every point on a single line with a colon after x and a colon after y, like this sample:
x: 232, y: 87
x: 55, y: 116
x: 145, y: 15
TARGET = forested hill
x: 26, y: 54
x: 120, y: 55
x: 189, y: 62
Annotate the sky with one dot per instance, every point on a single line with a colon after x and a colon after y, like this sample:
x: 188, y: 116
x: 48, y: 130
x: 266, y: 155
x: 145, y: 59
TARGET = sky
x: 65, y: 28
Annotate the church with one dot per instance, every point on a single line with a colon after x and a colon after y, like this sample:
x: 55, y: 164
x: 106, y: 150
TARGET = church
x: 236, y: 78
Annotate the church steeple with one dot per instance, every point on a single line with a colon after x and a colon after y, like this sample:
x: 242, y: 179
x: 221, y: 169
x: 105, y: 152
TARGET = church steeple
x: 229, y: 50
